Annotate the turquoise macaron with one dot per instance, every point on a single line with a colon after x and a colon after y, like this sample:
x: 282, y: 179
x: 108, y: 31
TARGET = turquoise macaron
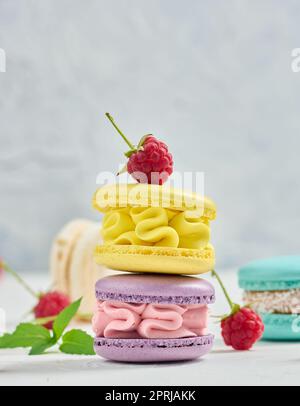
x: 272, y: 286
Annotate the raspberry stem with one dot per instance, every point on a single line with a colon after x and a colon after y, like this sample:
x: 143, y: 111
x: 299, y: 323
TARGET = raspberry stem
x: 44, y: 320
x: 232, y: 305
x: 19, y: 280
x: 131, y: 146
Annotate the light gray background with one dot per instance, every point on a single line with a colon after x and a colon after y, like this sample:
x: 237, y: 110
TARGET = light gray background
x: 212, y: 78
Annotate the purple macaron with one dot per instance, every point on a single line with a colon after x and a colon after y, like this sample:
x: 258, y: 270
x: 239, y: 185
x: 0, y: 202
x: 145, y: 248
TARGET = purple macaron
x: 152, y: 318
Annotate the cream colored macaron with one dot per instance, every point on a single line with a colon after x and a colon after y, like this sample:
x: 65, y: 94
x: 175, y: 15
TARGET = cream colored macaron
x: 84, y: 271
x: 73, y: 269
x: 62, y: 250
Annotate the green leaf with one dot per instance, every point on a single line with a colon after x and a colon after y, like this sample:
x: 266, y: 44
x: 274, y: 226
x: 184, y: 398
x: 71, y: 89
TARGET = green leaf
x: 63, y: 319
x: 5, y: 341
x: 77, y: 342
x: 142, y: 141
x: 25, y: 335
x: 40, y: 347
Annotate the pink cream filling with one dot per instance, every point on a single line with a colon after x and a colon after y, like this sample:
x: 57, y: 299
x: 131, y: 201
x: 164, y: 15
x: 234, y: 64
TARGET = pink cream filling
x: 130, y: 320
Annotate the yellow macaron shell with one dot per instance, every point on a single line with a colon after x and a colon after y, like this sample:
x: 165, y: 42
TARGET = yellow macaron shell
x: 149, y: 228
x: 141, y: 195
x: 132, y: 258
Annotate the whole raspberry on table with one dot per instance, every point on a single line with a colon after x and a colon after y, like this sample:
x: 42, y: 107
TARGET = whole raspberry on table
x: 243, y: 327
x: 50, y: 304
x: 148, y: 162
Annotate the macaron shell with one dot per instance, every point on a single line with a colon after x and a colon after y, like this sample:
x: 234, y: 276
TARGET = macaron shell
x: 133, y: 258
x: 84, y: 272
x: 153, y: 350
x: 281, y: 327
x: 142, y: 195
x: 278, y: 273
x: 160, y: 289
x: 61, y: 253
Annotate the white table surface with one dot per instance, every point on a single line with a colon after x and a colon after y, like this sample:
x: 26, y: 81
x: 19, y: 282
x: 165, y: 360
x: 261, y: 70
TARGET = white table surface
x: 267, y: 364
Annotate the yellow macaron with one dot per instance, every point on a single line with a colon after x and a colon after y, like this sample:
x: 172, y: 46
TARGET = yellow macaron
x: 151, y: 228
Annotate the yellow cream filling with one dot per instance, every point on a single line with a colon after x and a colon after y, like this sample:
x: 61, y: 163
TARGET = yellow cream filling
x: 155, y: 226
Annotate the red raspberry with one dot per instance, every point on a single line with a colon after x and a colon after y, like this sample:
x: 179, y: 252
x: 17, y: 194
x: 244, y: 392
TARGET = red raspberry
x: 154, y: 160
x: 149, y: 162
x: 242, y: 329
x: 50, y: 304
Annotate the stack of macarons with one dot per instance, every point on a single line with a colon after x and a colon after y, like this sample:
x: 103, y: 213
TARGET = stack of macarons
x: 156, y: 312
x: 272, y: 288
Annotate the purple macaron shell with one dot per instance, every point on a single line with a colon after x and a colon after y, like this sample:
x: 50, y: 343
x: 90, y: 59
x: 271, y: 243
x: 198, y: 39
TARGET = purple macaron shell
x: 153, y: 350
x: 163, y: 289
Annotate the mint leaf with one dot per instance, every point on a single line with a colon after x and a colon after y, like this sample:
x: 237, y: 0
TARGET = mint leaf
x: 5, y: 341
x: 40, y: 347
x: 25, y: 335
x: 63, y: 319
x: 77, y: 342
x: 38, y: 337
